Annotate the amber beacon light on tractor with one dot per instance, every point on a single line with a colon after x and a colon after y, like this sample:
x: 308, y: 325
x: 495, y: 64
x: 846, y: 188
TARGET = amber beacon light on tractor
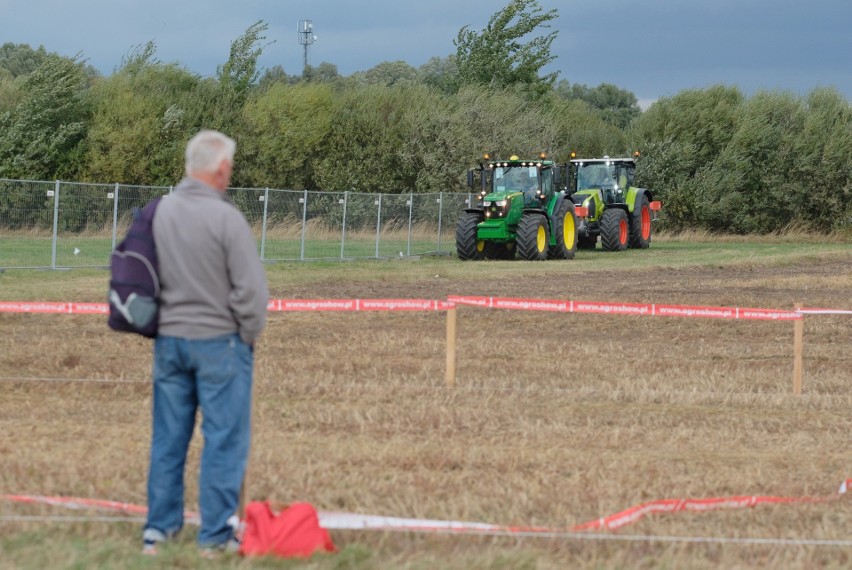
x: 538, y: 209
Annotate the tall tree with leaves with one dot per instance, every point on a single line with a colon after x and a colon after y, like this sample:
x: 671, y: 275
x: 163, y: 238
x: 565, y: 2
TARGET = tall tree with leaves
x: 143, y: 116
x: 497, y: 56
x: 40, y: 138
x: 616, y: 106
x: 325, y: 72
x: 138, y: 58
x: 220, y: 101
x: 21, y: 59
x: 440, y: 73
x: 240, y: 72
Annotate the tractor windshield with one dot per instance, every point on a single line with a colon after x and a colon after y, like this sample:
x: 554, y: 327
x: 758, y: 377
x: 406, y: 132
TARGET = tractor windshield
x: 594, y: 175
x: 515, y: 178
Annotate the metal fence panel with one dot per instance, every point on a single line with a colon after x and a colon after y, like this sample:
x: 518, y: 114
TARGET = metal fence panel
x: 84, y: 225
x: 69, y: 224
x: 283, y: 225
x: 127, y: 198
x: 452, y: 208
x: 26, y: 223
x: 393, y: 225
x: 324, y: 222
x: 426, y: 223
x: 250, y: 202
x: 362, y: 211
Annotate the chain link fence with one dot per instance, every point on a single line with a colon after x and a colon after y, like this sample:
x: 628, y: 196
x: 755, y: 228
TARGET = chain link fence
x: 61, y: 225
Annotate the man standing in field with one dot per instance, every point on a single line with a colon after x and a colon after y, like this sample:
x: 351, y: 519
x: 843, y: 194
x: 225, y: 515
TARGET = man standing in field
x: 212, y: 309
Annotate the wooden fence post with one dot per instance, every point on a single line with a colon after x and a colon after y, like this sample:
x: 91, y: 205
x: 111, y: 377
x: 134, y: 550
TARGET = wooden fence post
x: 450, y: 374
x: 798, y: 342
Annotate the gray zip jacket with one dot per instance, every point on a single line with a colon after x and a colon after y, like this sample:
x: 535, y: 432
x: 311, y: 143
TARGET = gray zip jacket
x: 211, y: 277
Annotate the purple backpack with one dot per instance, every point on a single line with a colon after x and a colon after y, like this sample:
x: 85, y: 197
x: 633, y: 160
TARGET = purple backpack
x: 134, y: 287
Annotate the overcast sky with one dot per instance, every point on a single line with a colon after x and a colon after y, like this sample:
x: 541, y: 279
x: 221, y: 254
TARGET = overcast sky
x: 653, y: 48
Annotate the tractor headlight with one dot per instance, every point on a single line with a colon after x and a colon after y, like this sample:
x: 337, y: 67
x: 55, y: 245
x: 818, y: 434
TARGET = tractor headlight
x: 486, y: 204
x: 496, y: 209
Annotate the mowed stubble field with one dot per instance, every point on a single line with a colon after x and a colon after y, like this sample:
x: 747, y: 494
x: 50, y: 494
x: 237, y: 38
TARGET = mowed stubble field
x: 554, y: 420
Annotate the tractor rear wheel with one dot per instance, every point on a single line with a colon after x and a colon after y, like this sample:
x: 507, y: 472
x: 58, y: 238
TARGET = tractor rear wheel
x: 614, y: 230
x: 640, y: 224
x: 565, y: 232
x: 467, y: 246
x: 533, y: 237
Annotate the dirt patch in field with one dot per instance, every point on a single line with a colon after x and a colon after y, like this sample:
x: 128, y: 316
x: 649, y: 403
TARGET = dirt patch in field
x: 555, y: 419
x: 819, y: 283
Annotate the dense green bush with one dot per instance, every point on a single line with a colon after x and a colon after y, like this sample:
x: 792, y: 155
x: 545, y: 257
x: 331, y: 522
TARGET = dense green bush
x: 723, y: 162
x: 41, y: 134
x: 718, y: 159
x: 141, y: 122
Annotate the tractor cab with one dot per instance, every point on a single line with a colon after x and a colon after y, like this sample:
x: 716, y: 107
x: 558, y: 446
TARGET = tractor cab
x: 534, y: 181
x: 610, y: 177
x: 503, y: 180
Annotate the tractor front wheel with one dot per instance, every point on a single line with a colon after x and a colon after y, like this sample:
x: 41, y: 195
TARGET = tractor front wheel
x: 614, y: 230
x: 533, y: 237
x: 467, y: 246
x: 640, y: 224
x: 565, y: 232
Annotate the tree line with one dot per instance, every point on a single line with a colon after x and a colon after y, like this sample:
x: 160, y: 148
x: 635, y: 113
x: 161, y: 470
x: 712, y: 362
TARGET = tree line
x: 718, y: 159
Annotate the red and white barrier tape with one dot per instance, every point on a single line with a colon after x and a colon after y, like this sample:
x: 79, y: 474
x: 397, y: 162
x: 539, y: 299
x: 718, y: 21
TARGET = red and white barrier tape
x: 274, y: 305
x: 633, y: 514
x: 359, y: 305
x: 824, y: 311
x: 78, y: 503
x: 635, y: 309
x: 583, y: 536
x: 556, y: 306
x: 354, y: 521
x: 48, y: 307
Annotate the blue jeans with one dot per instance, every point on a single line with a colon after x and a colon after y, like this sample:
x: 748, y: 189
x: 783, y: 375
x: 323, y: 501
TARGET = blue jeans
x: 215, y: 374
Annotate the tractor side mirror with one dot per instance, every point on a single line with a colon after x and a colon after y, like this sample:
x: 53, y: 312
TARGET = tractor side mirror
x: 470, y: 178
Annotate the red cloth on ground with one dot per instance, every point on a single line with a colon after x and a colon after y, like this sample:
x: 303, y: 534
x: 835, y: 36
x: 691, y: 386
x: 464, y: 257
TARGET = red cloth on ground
x: 294, y: 532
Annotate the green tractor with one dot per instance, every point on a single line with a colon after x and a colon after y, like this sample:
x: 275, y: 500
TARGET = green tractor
x: 609, y: 206
x: 522, y: 209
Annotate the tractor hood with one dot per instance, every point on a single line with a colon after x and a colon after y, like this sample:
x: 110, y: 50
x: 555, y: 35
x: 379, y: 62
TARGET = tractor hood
x: 501, y: 195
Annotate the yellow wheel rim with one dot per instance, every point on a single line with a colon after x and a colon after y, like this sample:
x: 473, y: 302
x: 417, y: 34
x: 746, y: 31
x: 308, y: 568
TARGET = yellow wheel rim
x: 541, y: 239
x: 480, y: 245
x: 568, y: 231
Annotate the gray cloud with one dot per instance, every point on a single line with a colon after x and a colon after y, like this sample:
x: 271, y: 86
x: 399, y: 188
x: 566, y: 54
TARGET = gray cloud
x: 654, y: 48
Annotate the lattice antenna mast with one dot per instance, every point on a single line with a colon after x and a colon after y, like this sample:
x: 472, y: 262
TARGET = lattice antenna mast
x: 305, y: 29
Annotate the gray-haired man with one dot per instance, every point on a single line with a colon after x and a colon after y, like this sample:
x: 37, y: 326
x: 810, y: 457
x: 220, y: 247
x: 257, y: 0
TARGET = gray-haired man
x: 212, y: 309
